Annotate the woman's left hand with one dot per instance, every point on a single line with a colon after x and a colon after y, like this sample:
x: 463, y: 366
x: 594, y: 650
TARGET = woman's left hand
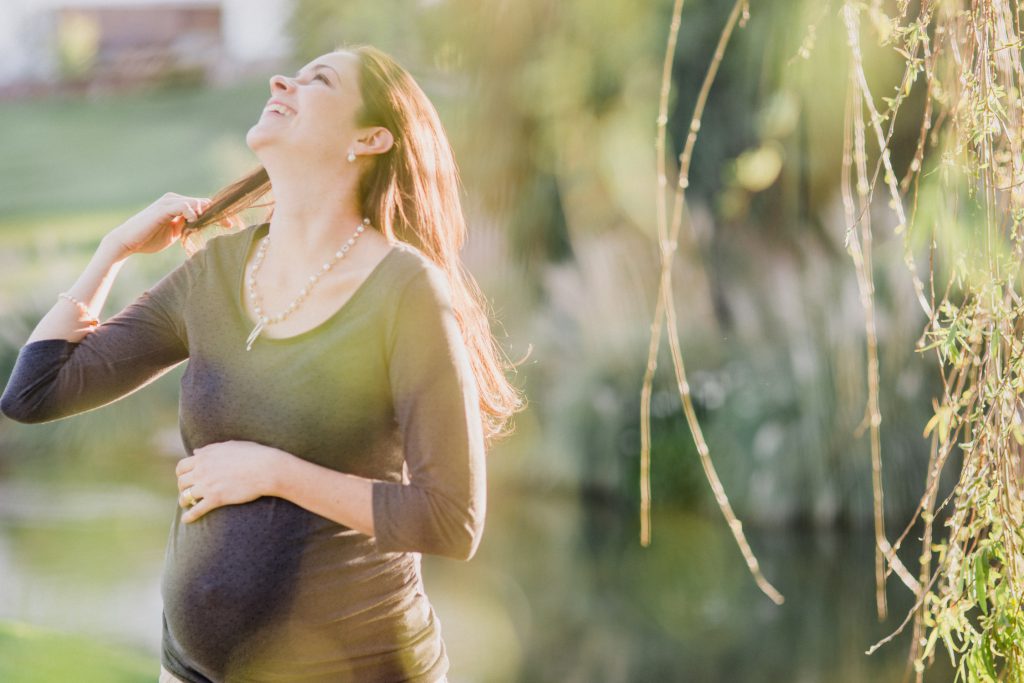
x: 225, y: 473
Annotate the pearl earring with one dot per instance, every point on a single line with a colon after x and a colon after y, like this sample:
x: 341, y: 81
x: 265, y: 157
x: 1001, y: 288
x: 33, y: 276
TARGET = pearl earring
x: 351, y: 156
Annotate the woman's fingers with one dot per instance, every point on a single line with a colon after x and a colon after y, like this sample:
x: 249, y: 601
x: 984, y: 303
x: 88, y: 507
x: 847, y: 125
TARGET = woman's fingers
x: 185, y: 480
x: 191, y: 208
x: 196, y: 511
x: 194, y: 208
x: 186, y: 497
x: 202, y: 205
x: 185, y: 465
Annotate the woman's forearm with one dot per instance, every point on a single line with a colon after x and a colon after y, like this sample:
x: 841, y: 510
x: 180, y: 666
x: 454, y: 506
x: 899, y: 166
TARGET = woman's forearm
x: 340, y: 497
x: 65, y: 320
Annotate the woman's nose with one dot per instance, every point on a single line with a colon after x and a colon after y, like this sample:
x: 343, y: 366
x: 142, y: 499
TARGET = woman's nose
x: 278, y: 81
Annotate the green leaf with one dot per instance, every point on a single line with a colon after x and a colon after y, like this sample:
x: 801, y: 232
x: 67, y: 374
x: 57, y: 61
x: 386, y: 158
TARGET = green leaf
x: 986, y: 657
x: 980, y: 581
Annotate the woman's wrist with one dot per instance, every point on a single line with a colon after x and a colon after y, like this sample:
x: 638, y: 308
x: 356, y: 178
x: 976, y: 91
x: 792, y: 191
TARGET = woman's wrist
x: 72, y: 321
x: 278, y: 473
x: 112, y: 249
x: 338, y: 496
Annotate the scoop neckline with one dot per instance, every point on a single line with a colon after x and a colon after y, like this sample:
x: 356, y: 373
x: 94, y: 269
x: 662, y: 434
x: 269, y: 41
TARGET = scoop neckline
x: 248, y: 323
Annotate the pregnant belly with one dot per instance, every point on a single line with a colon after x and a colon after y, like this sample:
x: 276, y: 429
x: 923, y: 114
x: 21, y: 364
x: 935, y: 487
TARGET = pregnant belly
x: 228, y: 574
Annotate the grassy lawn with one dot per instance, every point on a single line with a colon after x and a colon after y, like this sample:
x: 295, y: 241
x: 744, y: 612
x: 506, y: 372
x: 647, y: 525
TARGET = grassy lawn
x: 73, y: 156
x: 32, y: 654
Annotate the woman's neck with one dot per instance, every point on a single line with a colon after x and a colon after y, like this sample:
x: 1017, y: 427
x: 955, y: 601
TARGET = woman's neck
x: 314, y: 214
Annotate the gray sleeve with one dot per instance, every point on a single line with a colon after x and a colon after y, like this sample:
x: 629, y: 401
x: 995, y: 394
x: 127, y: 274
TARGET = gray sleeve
x: 442, y: 509
x: 57, y: 378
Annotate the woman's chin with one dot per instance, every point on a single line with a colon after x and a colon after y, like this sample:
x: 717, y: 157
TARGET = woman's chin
x: 259, y: 137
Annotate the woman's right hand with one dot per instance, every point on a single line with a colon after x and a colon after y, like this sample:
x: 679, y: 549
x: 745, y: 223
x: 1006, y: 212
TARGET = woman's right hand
x: 158, y: 226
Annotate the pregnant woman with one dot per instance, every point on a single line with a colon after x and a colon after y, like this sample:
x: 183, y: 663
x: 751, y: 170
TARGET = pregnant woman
x: 341, y: 391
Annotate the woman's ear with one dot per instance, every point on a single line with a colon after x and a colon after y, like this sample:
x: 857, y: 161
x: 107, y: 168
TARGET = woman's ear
x: 377, y: 141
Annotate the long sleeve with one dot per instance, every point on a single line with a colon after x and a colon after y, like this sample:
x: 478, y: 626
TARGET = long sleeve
x: 57, y: 378
x: 442, y: 509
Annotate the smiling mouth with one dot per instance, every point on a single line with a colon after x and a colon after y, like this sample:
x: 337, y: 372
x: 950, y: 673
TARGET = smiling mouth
x: 278, y: 109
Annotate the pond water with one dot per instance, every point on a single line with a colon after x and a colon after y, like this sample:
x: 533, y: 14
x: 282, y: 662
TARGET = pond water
x: 558, y: 591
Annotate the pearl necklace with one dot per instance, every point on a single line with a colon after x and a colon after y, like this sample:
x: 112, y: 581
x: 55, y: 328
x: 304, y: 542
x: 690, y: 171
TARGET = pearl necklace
x: 265, y: 320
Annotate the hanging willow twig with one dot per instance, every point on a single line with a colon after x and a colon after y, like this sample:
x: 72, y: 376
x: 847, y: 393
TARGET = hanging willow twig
x: 665, y: 306
x: 969, y: 593
x: 865, y: 283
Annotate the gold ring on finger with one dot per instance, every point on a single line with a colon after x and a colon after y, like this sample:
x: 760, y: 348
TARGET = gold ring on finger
x: 189, y: 497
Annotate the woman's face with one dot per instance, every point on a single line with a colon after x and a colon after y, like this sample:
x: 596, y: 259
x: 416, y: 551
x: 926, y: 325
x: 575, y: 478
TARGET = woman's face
x: 312, y: 113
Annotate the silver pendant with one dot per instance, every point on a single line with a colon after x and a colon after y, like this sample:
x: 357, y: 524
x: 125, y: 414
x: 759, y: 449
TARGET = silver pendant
x: 252, y: 335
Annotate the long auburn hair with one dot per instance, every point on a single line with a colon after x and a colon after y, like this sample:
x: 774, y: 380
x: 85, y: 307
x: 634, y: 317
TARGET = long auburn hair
x: 411, y: 193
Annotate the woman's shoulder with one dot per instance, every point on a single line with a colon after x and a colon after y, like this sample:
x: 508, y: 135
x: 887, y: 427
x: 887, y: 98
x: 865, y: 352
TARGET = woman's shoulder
x: 414, y: 261
x: 223, y: 249
x: 416, y: 270
x: 234, y: 239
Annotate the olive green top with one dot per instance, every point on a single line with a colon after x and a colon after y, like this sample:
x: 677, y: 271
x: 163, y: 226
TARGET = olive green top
x: 266, y: 590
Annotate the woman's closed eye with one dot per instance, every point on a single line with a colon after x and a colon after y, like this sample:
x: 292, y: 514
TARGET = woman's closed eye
x: 318, y: 76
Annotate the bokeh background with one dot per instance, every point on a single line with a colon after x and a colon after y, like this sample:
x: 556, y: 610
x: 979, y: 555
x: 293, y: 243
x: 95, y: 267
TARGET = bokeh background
x: 550, y: 106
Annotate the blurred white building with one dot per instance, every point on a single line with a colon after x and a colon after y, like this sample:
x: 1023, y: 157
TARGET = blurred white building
x: 113, y: 42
